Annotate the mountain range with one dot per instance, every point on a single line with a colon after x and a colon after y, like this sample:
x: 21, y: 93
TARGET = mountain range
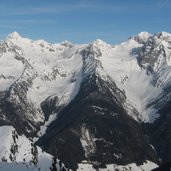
x: 85, y: 107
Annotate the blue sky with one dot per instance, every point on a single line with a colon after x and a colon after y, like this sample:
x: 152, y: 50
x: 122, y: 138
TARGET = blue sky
x: 82, y: 21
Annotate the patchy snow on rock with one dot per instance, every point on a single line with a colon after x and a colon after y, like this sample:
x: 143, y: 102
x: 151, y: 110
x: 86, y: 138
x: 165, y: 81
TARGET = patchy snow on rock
x: 87, y: 141
x: 147, y: 166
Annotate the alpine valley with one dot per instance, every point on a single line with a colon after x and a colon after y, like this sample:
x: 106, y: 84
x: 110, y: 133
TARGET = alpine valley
x: 85, y: 107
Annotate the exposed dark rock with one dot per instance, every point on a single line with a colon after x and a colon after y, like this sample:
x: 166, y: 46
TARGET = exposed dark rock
x: 113, y: 136
x: 165, y: 167
x: 160, y: 133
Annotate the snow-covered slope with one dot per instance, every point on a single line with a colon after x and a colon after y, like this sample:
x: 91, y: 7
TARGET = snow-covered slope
x: 141, y: 68
x: 18, y: 152
x: 56, y: 69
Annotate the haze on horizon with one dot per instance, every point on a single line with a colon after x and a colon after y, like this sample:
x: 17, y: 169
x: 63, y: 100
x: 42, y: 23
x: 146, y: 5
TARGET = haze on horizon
x: 82, y: 21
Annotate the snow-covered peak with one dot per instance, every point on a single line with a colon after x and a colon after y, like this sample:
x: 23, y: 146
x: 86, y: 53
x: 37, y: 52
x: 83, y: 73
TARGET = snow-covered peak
x: 66, y: 43
x: 164, y: 36
x: 141, y: 37
x: 99, y: 43
x: 14, y: 35
x: 144, y: 34
x: 16, y: 39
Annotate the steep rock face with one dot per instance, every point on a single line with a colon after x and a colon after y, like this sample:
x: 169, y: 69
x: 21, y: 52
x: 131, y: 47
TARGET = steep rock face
x: 159, y: 133
x: 154, y: 58
x: 152, y: 55
x: 95, y: 126
x: 15, y: 105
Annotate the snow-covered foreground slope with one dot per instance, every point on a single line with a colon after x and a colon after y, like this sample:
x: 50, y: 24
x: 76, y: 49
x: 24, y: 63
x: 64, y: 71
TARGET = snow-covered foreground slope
x: 16, y: 167
x: 19, y: 153
x: 82, y: 167
x: 20, y: 167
